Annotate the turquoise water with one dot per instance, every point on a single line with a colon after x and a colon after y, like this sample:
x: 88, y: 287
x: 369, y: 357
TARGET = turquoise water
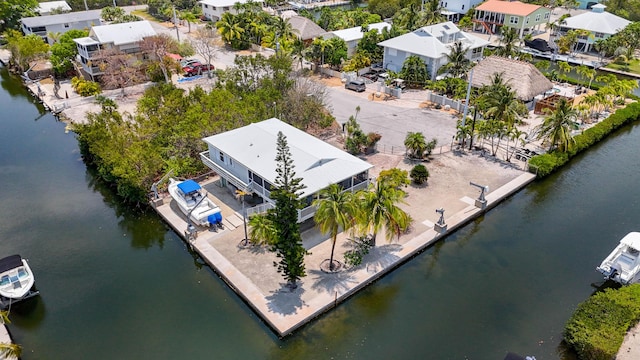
x: 117, y: 283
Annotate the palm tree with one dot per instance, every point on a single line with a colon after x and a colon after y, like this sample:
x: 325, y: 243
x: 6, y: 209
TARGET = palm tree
x: 457, y: 62
x: 298, y: 50
x: 587, y: 73
x: 8, y: 350
x: 230, y: 28
x: 261, y: 229
x: 556, y: 127
x: 508, y: 42
x: 378, y: 209
x: 500, y: 103
x: 335, y: 209
x: 416, y: 143
x: 189, y: 17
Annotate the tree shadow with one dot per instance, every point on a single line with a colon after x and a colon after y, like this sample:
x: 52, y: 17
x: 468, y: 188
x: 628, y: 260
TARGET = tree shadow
x: 381, y: 257
x: 285, y: 301
x: 331, y: 283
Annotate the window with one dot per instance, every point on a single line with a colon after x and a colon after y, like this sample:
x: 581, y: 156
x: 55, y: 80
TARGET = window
x: 477, y: 50
x: 226, y: 8
x: 599, y: 35
x: 527, y: 20
x: 538, y: 17
x: 221, y: 156
x: 462, y: 7
x: 445, y: 5
x: 66, y: 26
x: 546, y: 16
x: 513, y: 19
x: 392, y: 52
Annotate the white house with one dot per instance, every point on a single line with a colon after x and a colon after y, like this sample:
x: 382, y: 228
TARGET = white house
x: 213, y: 9
x: 125, y: 37
x: 245, y: 159
x: 46, y: 8
x: 432, y: 44
x: 60, y: 23
x: 599, y: 23
x: 456, y: 9
x: 352, y: 36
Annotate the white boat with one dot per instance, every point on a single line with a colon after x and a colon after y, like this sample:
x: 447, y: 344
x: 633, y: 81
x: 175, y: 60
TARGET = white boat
x: 16, y: 280
x: 194, y: 203
x: 623, y: 264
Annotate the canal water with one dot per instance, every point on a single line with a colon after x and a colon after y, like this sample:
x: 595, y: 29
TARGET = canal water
x: 117, y: 283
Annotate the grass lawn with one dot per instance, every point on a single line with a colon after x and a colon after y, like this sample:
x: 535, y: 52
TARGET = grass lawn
x: 632, y: 66
x: 145, y: 15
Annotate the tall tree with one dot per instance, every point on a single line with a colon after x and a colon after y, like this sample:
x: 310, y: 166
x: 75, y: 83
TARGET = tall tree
x: 25, y: 49
x: 65, y: 50
x: 457, y: 62
x: 414, y: 71
x: 288, y: 245
x: 205, y: 42
x: 119, y: 69
x: 378, y: 209
x: 159, y: 46
x: 11, y: 11
x: 556, y: 127
x: 335, y: 210
x: 508, y: 40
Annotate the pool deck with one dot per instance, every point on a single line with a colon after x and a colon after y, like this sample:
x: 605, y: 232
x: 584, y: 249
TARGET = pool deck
x: 250, y: 272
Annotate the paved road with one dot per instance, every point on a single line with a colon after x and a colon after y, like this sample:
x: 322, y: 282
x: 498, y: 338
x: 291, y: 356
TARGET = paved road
x: 392, y: 119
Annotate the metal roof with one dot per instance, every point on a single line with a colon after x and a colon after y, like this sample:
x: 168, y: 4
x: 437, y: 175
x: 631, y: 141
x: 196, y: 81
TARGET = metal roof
x: 601, y: 22
x: 124, y: 33
x: 318, y: 163
x: 355, y: 33
x: 45, y: 7
x: 425, y: 42
x: 71, y: 17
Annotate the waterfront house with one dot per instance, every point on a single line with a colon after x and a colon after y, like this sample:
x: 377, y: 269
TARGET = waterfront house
x: 52, y: 7
x: 491, y: 16
x: 587, y: 4
x: 59, y: 23
x: 124, y: 37
x: 213, y: 9
x: 352, y: 36
x: 523, y: 77
x: 432, y: 44
x: 599, y: 23
x: 454, y: 10
x: 244, y: 159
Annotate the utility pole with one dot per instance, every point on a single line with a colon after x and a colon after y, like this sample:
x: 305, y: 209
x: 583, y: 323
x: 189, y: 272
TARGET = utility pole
x: 86, y: 7
x: 175, y: 22
x: 114, y: 3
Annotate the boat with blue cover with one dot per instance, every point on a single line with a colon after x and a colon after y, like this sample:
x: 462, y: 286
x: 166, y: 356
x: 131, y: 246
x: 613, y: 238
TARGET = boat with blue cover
x: 193, y: 201
x: 17, y: 282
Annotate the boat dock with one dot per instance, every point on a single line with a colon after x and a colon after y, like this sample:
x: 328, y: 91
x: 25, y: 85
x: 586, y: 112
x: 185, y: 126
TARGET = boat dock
x: 250, y: 273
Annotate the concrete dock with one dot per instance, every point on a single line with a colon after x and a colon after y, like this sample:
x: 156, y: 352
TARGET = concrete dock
x: 249, y: 271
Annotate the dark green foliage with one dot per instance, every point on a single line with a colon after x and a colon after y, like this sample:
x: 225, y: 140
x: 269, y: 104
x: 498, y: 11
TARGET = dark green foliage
x: 419, y: 174
x: 360, y: 247
x: 414, y: 72
x: 11, y: 11
x: 64, y: 51
x: 545, y: 164
x: 288, y: 243
x: 167, y: 129
x: 598, y: 326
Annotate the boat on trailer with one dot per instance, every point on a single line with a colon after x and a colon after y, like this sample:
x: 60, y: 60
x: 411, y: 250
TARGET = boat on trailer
x: 17, y: 282
x: 193, y: 201
x: 623, y: 264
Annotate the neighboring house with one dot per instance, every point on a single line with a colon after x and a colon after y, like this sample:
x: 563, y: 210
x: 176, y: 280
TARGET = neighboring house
x: 587, y: 4
x: 305, y: 29
x: 432, y: 44
x: 244, y: 159
x: 125, y: 37
x: 599, y: 23
x: 523, y: 77
x: 60, y: 23
x: 492, y: 15
x: 352, y: 36
x: 213, y: 9
x: 46, y: 8
x: 454, y: 10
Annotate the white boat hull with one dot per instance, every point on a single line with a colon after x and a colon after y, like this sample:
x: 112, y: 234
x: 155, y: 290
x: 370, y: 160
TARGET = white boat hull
x: 16, y: 280
x: 196, y: 205
x: 623, y: 263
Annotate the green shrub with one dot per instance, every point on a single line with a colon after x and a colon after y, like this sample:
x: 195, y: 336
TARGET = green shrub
x: 84, y: 87
x: 598, y: 326
x: 419, y: 174
x: 545, y: 164
x: 361, y: 246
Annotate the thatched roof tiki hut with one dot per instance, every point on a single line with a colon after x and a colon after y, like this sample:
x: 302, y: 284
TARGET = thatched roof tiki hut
x: 523, y: 78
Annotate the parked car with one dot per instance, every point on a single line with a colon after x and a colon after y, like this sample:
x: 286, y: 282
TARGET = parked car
x: 356, y: 85
x: 197, y: 69
x: 188, y: 62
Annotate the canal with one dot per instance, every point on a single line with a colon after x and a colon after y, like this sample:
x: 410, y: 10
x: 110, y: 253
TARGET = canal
x: 117, y: 283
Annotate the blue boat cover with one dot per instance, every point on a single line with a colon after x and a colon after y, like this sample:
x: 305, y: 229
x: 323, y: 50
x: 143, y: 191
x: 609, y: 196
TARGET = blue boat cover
x: 189, y: 186
x: 215, y: 218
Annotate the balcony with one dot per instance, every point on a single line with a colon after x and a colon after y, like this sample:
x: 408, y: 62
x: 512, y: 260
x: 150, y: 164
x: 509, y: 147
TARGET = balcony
x: 232, y: 179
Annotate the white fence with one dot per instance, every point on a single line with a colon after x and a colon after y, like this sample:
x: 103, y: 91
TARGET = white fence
x: 444, y: 101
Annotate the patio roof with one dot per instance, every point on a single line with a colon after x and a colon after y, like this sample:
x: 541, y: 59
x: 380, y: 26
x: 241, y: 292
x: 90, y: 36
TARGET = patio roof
x: 524, y: 78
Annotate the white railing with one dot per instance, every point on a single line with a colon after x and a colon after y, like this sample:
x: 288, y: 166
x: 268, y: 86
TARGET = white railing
x: 260, y: 209
x: 306, y: 213
x: 361, y: 186
x: 232, y: 179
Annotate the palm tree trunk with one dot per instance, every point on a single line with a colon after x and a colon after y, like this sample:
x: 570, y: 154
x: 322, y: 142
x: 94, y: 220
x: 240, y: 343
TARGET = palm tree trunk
x: 333, y: 247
